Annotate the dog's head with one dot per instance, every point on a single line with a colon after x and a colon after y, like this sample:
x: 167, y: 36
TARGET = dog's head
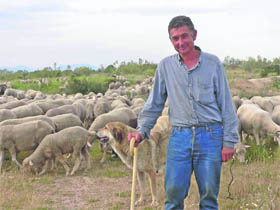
x: 113, y: 131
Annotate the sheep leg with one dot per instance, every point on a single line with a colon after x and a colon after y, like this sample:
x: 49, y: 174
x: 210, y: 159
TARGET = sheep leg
x: 257, y: 138
x: 53, y: 161
x: 141, y: 182
x: 12, y: 150
x: 45, y: 168
x: 62, y: 161
x: 86, y: 155
x: 1, y: 159
x: 77, y: 162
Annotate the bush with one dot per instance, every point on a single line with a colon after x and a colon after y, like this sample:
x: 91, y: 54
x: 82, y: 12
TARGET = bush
x: 86, y: 85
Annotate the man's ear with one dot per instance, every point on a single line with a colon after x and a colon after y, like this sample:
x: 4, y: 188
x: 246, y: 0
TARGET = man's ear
x: 194, y: 35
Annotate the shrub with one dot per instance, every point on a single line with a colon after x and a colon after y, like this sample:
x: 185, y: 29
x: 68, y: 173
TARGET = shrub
x: 85, y: 85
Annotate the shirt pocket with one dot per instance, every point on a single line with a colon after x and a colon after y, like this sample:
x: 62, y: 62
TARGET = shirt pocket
x: 206, y: 93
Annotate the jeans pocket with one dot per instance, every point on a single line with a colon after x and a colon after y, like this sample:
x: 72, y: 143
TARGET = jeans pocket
x: 173, y: 131
x: 216, y: 133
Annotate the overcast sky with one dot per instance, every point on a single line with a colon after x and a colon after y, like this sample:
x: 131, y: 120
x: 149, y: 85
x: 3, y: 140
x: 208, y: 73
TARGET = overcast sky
x: 39, y: 33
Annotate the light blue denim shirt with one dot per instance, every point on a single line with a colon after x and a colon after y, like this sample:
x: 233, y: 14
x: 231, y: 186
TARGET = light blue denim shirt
x: 200, y: 95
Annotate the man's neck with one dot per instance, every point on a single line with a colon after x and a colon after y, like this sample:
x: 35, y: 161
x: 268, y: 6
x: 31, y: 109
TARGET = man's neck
x: 191, y: 59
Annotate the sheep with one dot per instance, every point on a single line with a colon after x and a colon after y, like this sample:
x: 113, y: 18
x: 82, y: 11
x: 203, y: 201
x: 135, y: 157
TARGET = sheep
x: 102, y: 106
x: 264, y: 103
x: 65, y: 120
x: 90, y: 112
x: 240, y: 151
x: 27, y: 110
x: 46, y: 105
x: 276, y: 114
x: 236, y: 101
x: 124, y: 115
x: 22, y: 137
x: 6, y: 114
x: 10, y: 92
x: 31, y: 94
x: 257, y: 122
x: 72, y: 140
x: 75, y: 109
x: 28, y: 119
x: 12, y: 104
x: 116, y: 104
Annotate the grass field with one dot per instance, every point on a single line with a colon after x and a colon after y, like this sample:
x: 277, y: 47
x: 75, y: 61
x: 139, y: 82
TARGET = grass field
x: 256, y: 185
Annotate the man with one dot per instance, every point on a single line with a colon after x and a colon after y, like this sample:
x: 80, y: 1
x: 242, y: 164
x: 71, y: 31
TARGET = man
x: 201, y: 112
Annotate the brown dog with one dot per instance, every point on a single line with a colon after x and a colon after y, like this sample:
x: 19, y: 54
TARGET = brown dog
x: 151, y: 153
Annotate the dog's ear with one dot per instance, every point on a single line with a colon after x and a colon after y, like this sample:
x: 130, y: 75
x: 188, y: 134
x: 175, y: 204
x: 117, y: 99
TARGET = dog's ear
x: 118, y: 134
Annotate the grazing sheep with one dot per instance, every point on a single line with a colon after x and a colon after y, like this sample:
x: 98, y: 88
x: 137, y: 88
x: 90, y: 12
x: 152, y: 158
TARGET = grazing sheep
x: 236, y: 101
x: 240, y: 151
x: 102, y: 106
x: 257, y: 122
x: 6, y: 114
x: 264, y: 103
x: 28, y: 119
x: 76, y: 109
x: 65, y: 121
x: 12, y: 104
x: 27, y: 111
x: 22, y: 137
x: 10, y: 92
x: 68, y: 141
x: 46, y: 105
x: 276, y: 114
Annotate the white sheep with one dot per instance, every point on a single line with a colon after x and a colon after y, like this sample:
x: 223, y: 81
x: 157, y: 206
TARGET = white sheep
x: 27, y: 110
x: 257, y: 122
x: 65, y: 121
x: 28, y: 119
x: 22, y: 137
x: 72, y: 140
x: 6, y: 114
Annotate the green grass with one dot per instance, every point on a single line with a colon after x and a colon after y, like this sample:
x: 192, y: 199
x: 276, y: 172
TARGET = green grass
x: 52, y: 88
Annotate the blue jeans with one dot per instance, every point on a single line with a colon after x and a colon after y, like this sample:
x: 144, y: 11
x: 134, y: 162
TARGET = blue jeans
x: 197, y: 149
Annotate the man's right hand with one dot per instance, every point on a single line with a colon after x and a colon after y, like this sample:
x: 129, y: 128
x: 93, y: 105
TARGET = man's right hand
x: 138, y: 138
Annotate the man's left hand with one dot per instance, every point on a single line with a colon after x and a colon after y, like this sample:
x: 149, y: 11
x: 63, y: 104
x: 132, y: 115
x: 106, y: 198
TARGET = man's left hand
x: 227, y: 153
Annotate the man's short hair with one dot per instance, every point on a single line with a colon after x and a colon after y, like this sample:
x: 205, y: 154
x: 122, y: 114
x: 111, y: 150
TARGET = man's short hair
x: 180, y: 21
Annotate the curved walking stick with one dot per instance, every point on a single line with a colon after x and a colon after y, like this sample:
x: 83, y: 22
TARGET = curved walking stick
x: 133, y: 152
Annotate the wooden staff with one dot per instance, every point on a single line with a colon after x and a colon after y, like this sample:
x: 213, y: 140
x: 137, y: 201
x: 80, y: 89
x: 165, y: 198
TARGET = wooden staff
x: 133, y: 152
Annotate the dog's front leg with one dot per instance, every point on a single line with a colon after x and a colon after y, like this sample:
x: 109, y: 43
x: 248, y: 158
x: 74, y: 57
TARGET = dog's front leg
x: 141, y: 182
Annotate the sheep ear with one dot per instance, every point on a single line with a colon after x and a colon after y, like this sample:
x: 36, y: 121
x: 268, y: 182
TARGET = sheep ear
x: 31, y: 163
x: 247, y: 146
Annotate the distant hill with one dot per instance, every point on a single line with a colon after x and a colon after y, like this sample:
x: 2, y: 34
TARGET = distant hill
x: 61, y: 67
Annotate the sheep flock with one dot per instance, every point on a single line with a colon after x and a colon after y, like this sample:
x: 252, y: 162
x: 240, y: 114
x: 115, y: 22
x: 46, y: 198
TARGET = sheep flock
x: 54, y: 126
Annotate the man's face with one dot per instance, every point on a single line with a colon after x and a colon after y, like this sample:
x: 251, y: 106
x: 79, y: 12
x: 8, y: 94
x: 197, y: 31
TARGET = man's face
x: 182, y: 39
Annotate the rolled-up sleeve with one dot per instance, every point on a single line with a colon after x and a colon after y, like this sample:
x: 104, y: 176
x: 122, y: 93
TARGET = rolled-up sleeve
x: 229, y: 117
x: 154, y: 104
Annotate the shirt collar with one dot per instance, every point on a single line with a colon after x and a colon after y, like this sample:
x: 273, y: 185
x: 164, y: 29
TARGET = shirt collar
x: 181, y: 60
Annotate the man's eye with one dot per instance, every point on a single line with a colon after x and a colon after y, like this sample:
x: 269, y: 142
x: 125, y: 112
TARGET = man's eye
x: 175, y: 38
x: 184, y: 36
